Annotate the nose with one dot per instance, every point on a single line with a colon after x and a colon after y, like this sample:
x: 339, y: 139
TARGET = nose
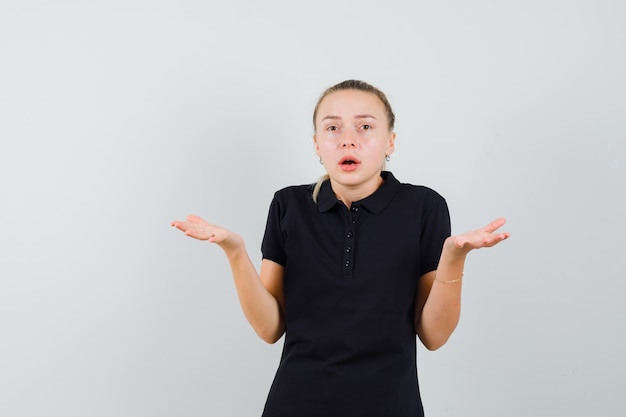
x: 348, y: 139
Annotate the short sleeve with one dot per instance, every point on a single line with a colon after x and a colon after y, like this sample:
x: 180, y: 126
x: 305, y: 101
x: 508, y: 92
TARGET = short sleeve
x: 435, y: 230
x: 273, y: 244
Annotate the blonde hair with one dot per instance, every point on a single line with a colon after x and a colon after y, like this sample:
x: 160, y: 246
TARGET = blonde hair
x: 318, y: 186
x: 351, y: 85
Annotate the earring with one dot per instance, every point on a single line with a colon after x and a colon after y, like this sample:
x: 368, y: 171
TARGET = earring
x: 387, y: 158
x: 321, y: 162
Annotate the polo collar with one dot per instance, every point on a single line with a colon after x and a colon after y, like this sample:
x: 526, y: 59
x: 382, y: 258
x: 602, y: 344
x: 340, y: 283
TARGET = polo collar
x: 374, y: 203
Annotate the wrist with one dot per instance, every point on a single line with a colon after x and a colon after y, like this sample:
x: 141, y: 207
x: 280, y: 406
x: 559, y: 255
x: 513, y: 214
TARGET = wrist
x: 233, y: 246
x: 452, y: 250
x: 450, y: 281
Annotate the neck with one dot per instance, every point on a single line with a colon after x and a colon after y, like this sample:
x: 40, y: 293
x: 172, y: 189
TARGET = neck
x: 351, y: 193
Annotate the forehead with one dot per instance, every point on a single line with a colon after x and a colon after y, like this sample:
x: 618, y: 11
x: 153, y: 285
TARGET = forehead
x: 347, y: 103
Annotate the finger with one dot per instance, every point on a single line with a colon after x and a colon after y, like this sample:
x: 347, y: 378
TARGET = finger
x: 495, y: 225
x: 498, y: 238
x: 460, y: 243
x: 179, y: 225
x: 196, y: 234
x: 192, y: 218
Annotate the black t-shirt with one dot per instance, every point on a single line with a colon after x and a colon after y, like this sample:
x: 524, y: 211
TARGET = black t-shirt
x: 350, y: 283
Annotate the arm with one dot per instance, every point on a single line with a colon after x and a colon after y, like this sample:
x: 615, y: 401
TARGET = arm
x: 260, y: 296
x: 438, y: 300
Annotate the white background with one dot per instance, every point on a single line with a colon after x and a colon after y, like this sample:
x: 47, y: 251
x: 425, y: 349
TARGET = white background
x: 118, y: 117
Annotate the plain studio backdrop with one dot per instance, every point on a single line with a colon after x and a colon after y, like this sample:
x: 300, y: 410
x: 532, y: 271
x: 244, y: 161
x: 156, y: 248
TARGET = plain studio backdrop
x: 118, y: 117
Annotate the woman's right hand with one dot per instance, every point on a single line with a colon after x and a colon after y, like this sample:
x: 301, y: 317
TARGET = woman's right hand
x: 261, y: 298
x: 198, y: 228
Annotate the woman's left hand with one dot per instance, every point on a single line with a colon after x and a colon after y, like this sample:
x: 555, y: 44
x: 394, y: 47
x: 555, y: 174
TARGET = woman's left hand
x: 485, y: 237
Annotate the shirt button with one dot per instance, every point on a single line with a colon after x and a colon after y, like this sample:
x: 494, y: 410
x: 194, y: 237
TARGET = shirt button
x: 347, y: 264
x: 349, y: 235
x: 355, y: 209
x: 349, y: 249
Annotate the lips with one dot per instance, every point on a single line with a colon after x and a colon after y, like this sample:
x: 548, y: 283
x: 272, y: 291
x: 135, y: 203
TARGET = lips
x: 349, y: 163
x: 349, y: 160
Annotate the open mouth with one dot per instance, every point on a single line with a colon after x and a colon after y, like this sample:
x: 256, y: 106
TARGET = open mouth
x: 349, y: 160
x: 349, y: 163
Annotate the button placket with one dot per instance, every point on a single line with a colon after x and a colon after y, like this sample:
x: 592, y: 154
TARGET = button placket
x: 350, y: 227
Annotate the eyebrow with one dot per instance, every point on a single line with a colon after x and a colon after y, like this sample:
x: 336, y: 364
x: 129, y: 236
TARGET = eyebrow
x: 358, y: 116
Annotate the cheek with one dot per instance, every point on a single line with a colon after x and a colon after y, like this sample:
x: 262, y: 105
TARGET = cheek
x: 374, y: 142
x: 326, y: 143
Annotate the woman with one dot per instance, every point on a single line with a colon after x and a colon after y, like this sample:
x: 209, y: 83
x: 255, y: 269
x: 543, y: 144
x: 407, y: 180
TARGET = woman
x: 353, y: 268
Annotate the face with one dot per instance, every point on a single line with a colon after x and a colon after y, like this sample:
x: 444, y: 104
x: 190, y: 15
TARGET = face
x: 352, y: 139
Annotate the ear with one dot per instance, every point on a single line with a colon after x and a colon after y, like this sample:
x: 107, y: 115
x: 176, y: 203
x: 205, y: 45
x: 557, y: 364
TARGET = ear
x: 391, y: 145
x: 317, y: 147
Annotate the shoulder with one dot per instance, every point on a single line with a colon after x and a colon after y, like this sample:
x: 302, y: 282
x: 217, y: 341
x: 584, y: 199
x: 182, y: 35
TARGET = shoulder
x: 293, y: 196
x: 294, y: 192
x: 409, y: 190
x: 429, y: 207
x: 420, y: 193
x: 422, y: 201
x: 418, y: 199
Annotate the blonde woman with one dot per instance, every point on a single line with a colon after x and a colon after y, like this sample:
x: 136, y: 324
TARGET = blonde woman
x: 353, y: 268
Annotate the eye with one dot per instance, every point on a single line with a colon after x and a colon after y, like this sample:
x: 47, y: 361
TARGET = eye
x: 332, y: 128
x: 366, y: 127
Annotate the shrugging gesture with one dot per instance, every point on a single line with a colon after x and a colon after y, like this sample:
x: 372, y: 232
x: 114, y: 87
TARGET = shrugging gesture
x: 346, y: 303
